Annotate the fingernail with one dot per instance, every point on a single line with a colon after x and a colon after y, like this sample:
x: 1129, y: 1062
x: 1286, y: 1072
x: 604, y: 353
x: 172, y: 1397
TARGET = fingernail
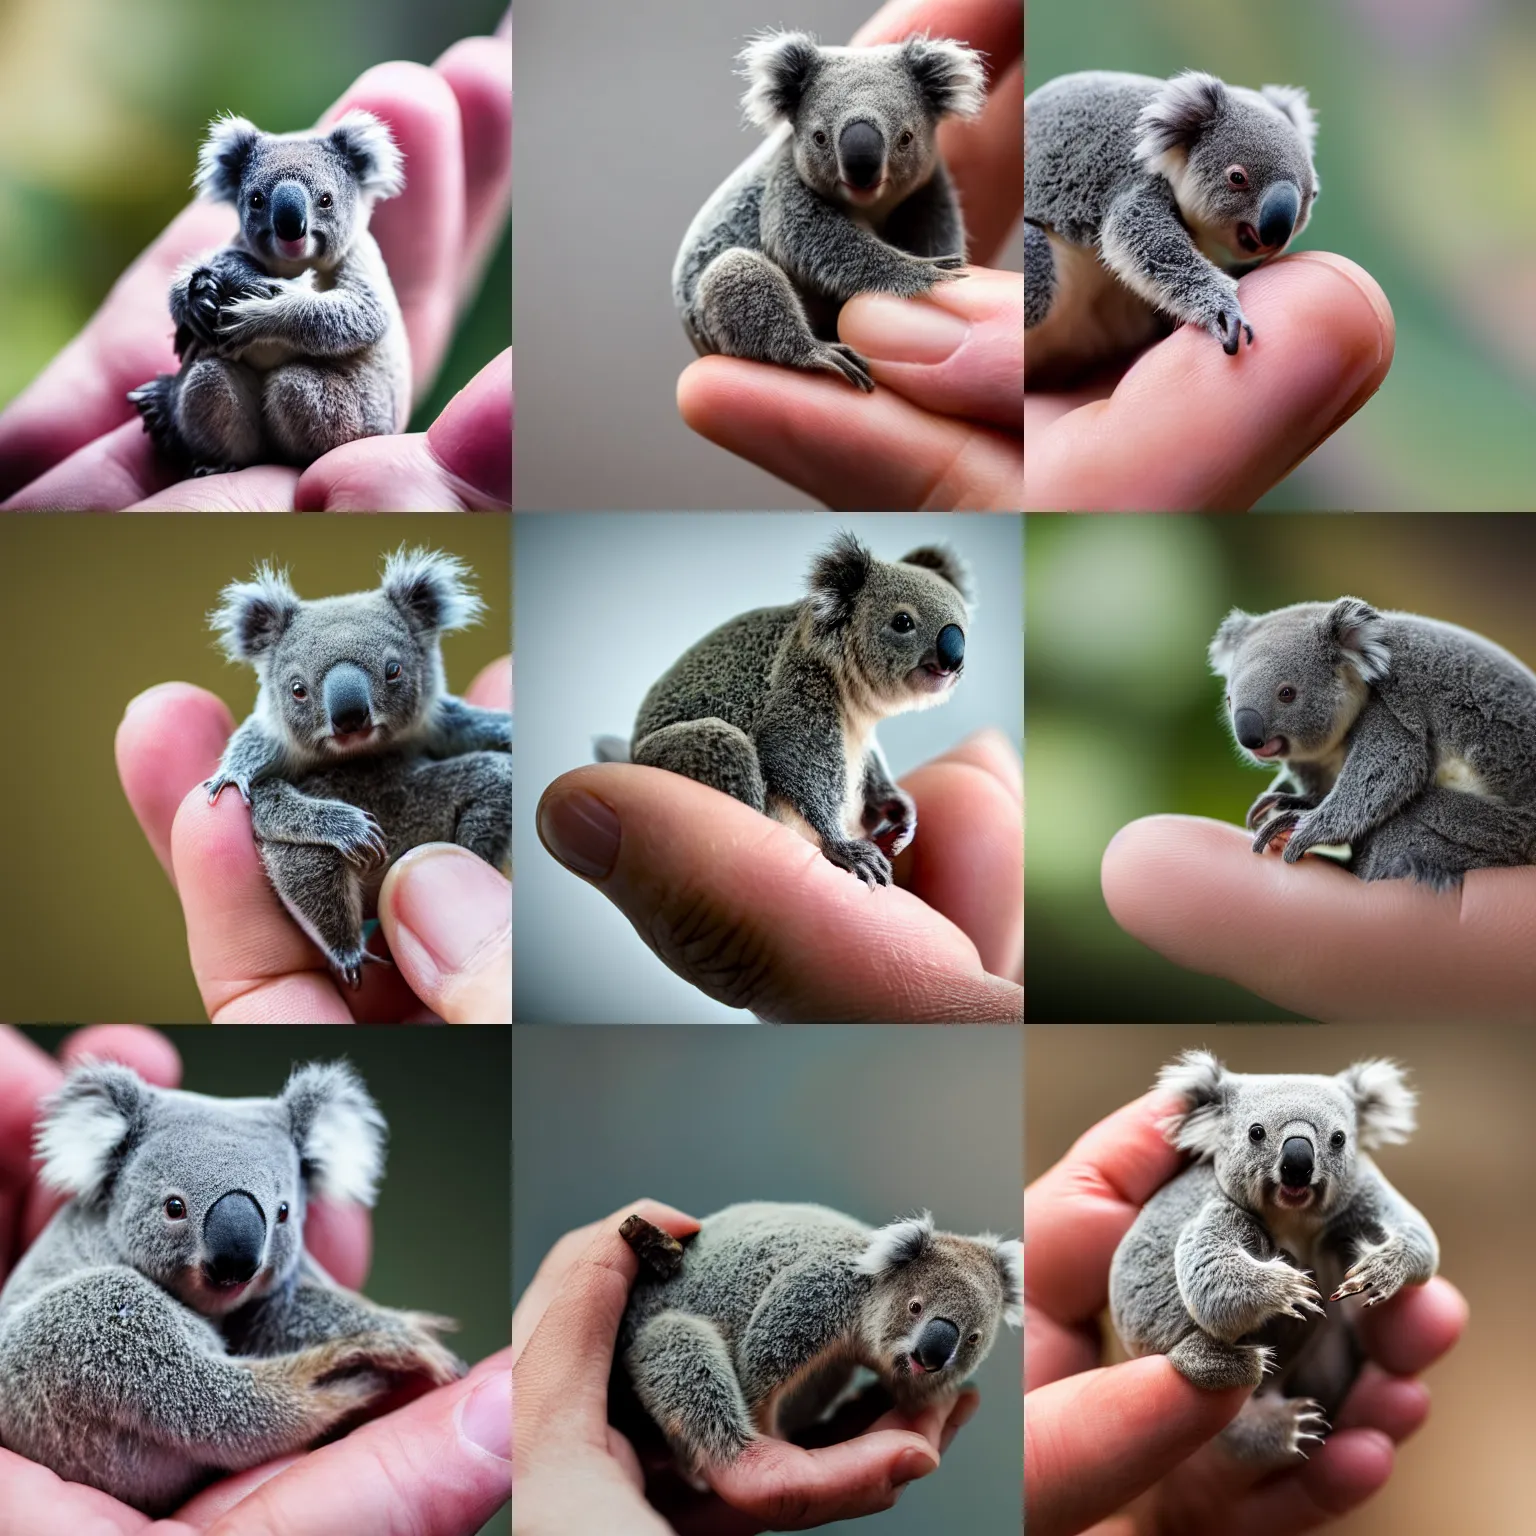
x: 485, y: 1416
x: 582, y: 832
x: 148, y: 693
x: 911, y: 1465
x: 451, y: 902
x: 901, y: 330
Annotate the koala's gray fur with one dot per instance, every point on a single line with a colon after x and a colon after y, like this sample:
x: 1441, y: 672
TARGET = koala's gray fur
x: 1225, y: 1268
x: 345, y: 766
x: 775, y: 1306
x: 778, y: 706
x: 848, y: 195
x: 147, y: 1353
x: 290, y: 338
x: 1412, y: 741
x: 1132, y: 221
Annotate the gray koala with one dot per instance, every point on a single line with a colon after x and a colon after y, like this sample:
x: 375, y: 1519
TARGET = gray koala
x: 1412, y: 741
x: 167, y: 1327
x: 774, y: 1307
x: 290, y: 338
x: 1225, y: 1268
x: 1143, y: 200
x: 778, y: 706
x: 848, y: 195
x: 355, y: 752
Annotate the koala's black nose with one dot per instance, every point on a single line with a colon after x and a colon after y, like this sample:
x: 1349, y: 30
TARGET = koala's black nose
x: 936, y: 1343
x: 1277, y: 213
x: 348, y: 698
x: 861, y: 150
x: 1249, y: 726
x: 951, y: 647
x: 1296, y: 1162
x: 234, y: 1233
x: 290, y: 211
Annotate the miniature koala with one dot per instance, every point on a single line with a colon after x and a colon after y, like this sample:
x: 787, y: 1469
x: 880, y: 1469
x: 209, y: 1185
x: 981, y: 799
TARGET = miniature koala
x: 848, y: 195
x: 168, y: 1327
x: 1225, y: 1268
x: 290, y: 338
x: 1143, y: 200
x: 1410, y: 740
x: 778, y: 706
x: 355, y: 752
x: 774, y: 1307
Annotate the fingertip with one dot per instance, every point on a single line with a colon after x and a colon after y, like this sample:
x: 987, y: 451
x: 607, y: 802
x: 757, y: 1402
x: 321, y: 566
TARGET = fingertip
x: 492, y: 687
x: 148, y: 1052
x: 1351, y: 1466
x: 472, y: 437
x: 340, y: 1236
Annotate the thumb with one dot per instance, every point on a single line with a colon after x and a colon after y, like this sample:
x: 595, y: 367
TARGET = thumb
x: 959, y: 350
x: 448, y: 918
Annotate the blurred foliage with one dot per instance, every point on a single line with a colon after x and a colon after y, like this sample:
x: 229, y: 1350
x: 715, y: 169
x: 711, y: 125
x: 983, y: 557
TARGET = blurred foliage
x: 102, y: 107
x: 1125, y: 720
x: 1426, y: 121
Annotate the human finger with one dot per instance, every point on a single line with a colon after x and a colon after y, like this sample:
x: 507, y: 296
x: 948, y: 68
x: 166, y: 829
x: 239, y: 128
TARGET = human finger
x: 492, y: 685
x: 753, y: 915
x: 339, y: 1235
x: 37, y: 1502
x: 1415, y: 1328
x: 1340, y: 1476
x: 1314, y: 938
x: 1395, y: 1405
x: 1189, y: 427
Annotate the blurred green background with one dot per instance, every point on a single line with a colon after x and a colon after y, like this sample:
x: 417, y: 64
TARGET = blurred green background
x: 103, y: 105
x: 93, y: 610
x: 1427, y: 118
x: 1124, y: 718
x: 442, y: 1238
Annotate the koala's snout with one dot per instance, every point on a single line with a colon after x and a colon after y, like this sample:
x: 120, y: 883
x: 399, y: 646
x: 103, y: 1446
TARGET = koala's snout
x: 290, y: 211
x: 1278, y: 209
x: 1248, y: 726
x: 1297, y: 1162
x: 936, y: 1344
x: 951, y: 647
x: 861, y: 155
x: 348, y: 698
x: 234, y: 1236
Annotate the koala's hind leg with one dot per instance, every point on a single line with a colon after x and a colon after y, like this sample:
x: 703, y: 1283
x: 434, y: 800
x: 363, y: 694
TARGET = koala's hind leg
x: 682, y: 1372
x: 218, y: 415
x: 745, y: 306
x: 1441, y: 835
x: 310, y: 408
x: 1039, y: 275
x: 1215, y: 1366
x: 466, y: 800
x: 1272, y: 1430
x: 711, y: 751
x: 324, y: 894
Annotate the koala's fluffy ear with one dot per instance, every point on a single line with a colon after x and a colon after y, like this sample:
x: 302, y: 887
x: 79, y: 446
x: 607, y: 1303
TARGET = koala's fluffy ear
x: 1384, y: 1103
x: 1202, y: 1081
x: 1292, y: 100
x: 252, y: 615
x: 368, y: 148
x: 88, y: 1127
x: 941, y: 559
x: 1224, y: 647
x: 223, y: 157
x: 899, y: 1243
x: 338, y: 1130
x: 838, y: 575
x: 1176, y: 117
x: 431, y: 589
x: 1361, y: 635
x: 777, y: 66
x: 948, y: 74
x: 1008, y: 1255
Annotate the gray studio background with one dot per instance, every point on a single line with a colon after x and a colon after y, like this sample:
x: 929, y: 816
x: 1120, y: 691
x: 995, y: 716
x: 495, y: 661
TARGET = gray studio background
x: 604, y: 604
x: 701, y: 1118
x: 628, y: 117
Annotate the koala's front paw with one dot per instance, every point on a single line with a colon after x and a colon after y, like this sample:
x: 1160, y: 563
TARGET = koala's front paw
x: 834, y: 357
x: 1285, y: 822
x: 860, y: 858
x: 1289, y: 1292
x: 222, y: 781
x: 244, y: 320
x: 1275, y: 800
x: 1377, y: 1275
x: 353, y: 833
x: 917, y: 275
x: 349, y: 963
x: 200, y: 312
x: 892, y: 823
x: 1229, y: 325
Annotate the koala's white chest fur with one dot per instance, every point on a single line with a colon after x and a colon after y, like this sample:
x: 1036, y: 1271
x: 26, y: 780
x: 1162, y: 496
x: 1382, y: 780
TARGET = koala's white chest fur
x: 1093, y: 314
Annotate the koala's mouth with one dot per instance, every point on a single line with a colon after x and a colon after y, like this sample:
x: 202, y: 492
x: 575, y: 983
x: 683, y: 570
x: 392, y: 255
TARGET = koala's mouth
x: 1294, y: 1198
x: 1248, y: 239
x: 346, y: 742
x: 1275, y: 747
x: 863, y: 194
x: 932, y: 678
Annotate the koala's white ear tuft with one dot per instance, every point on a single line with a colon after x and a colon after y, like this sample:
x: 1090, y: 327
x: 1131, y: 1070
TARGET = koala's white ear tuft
x: 338, y: 1130
x: 366, y: 144
x: 431, y: 589
x: 1292, y: 100
x: 1361, y: 636
x: 777, y: 67
x: 1229, y: 636
x: 1008, y: 1255
x: 943, y: 561
x: 1202, y: 1082
x: 949, y: 75
x: 223, y: 157
x: 899, y: 1243
x: 1180, y: 112
x: 1384, y: 1103
x: 252, y: 615
x: 87, y: 1127
x: 838, y: 575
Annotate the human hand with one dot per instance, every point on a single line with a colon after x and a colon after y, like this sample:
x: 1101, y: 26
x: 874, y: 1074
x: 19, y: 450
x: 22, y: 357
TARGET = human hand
x: 1077, y: 1475
x: 446, y: 914
x: 943, y: 427
x: 459, y: 1457
x: 576, y: 1472
x: 754, y: 916
x: 1188, y: 428
x: 1315, y: 938
x: 71, y: 441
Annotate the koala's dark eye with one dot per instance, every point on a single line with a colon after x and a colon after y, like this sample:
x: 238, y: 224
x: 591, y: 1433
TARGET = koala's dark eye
x: 324, y: 199
x: 903, y: 623
x: 176, y: 1209
x: 819, y: 137
x: 257, y: 200
x: 1337, y: 1140
x: 392, y: 672
x: 1255, y: 1133
x: 974, y: 1338
x: 914, y: 1306
x: 905, y: 139
x: 1237, y: 176
x: 299, y: 691
x: 1287, y: 695
x: 282, y: 1213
